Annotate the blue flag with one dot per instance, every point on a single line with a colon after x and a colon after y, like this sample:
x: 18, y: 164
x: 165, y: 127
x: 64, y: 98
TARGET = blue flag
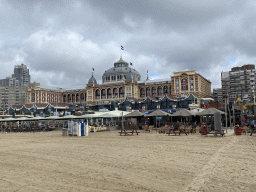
x: 130, y: 63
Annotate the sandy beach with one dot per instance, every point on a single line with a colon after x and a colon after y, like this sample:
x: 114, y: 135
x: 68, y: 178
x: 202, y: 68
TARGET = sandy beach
x: 105, y: 161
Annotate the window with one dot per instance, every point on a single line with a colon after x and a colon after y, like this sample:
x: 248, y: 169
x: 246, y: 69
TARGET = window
x: 184, y: 84
x: 191, y: 84
x: 119, y: 77
x: 108, y: 78
x: 113, y: 78
x: 148, y: 91
x: 128, y: 88
x: 89, y: 97
x: 160, y: 91
x: 97, y: 94
x: 154, y: 91
x: 142, y: 92
x: 177, y: 85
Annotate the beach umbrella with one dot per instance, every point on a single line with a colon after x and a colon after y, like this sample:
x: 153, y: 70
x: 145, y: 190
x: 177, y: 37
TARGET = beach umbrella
x: 157, y: 113
x: 210, y: 112
x: 182, y: 113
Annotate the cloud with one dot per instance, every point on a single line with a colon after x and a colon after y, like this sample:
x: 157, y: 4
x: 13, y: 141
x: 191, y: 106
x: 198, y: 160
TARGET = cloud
x: 60, y: 41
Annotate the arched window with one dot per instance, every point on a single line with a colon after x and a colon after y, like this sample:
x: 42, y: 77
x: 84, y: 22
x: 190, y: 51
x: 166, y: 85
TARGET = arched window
x: 115, y: 91
x: 69, y: 98
x: 103, y: 94
x: 142, y: 92
x: 77, y: 97
x: 73, y: 98
x: 184, y: 84
x: 121, y: 92
x: 109, y: 93
x: 154, y: 91
x: 148, y: 91
x: 82, y: 96
x: 64, y: 98
x: 166, y: 90
x: 160, y: 91
x: 97, y: 94
x: 33, y: 97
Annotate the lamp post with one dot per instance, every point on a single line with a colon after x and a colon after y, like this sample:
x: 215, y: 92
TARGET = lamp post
x: 225, y: 96
x: 253, y: 90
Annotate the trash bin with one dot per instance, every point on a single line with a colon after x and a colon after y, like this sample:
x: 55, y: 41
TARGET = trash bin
x: 64, y: 132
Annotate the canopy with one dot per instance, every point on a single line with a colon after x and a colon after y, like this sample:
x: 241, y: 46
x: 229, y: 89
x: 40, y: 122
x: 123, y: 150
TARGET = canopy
x: 52, y: 118
x: 210, y: 111
x: 182, y: 113
x: 9, y: 119
x: 24, y: 119
x: 134, y: 114
x: 106, y: 115
x: 85, y: 116
x: 157, y: 112
x: 36, y: 118
x: 68, y: 117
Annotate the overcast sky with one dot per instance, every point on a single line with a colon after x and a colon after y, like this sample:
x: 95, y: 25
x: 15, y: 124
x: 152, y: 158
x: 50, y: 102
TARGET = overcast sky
x: 61, y: 41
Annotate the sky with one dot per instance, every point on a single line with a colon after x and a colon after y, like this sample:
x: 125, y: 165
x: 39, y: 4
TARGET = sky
x: 61, y: 41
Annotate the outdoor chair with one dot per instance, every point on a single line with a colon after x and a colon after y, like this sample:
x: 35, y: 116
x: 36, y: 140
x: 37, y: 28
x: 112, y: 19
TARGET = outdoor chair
x: 148, y: 129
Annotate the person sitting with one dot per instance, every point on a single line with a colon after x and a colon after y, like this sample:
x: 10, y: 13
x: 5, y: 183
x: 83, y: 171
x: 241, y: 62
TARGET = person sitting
x: 176, y: 126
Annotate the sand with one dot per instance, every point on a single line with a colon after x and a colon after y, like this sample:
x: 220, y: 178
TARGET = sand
x: 105, y: 161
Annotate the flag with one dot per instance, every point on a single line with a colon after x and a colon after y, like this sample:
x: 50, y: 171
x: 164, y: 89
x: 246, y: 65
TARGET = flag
x: 130, y: 63
x: 93, y: 69
x: 122, y: 48
x: 147, y: 71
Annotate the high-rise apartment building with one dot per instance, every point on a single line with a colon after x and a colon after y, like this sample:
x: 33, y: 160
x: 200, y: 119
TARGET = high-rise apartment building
x: 13, y: 89
x: 217, y: 95
x: 239, y: 82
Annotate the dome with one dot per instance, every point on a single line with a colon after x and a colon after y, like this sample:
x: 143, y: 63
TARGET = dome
x: 121, y: 68
x: 130, y: 76
x: 92, y: 80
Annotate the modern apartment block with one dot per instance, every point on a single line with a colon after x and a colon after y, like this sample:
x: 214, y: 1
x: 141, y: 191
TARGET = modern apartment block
x: 13, y: 89
x: 217, y: 95
x: 239, y: 82
x: 12, y: 95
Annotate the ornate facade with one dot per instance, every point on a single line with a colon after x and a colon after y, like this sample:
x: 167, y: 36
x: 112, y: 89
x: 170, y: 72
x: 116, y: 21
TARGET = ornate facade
x: 121, y: 82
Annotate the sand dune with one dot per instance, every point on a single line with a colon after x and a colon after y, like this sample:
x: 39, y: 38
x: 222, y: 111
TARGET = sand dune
x: 105, y: 161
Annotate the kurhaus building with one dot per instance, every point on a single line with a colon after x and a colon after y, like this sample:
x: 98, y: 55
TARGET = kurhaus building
x: 122, y: 83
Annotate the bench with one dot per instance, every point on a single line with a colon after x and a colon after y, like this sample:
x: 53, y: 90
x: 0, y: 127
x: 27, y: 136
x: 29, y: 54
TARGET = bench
x: 176, y: 131
x: 215, y: 132
x: 129, y: 130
